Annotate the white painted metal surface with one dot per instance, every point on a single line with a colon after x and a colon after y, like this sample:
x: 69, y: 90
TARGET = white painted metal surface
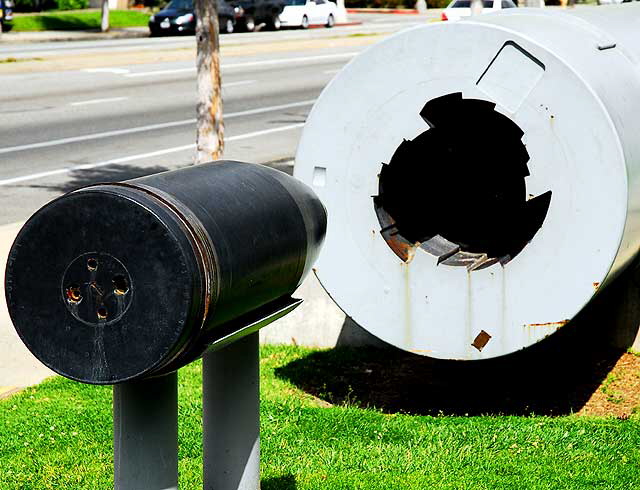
x: 571, y: 83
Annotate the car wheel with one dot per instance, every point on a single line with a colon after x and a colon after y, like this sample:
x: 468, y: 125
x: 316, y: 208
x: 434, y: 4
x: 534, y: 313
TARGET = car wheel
x: 305, y: 22
x: 249, y: 23
x: 330, y: 21
x: 228, y: 26
x: 275, y: 23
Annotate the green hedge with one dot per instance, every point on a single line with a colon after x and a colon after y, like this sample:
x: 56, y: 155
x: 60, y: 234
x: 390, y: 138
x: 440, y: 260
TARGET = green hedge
x: 61, y: 21
x: 72, y: 4
x: 33, y: 5
x: 41, y: 5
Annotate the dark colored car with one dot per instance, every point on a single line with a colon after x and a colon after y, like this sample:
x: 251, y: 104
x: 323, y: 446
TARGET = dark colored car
x: 260, y: 12
x: 178, y: 17
x: 6, y: 14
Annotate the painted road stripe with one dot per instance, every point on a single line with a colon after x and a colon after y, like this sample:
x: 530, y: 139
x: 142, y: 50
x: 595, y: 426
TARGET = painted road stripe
x: 160, y: 72
x: 117, y: 71
x: 235, y: 84
x: 140, y: 156
x: 150, y: 127
x: 245, y: 64
x: 98, y: 101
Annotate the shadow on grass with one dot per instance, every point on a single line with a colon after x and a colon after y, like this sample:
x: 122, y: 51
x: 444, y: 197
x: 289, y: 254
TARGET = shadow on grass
x: 111, y: 173
x: 69, y: 22
x: 557, y: 376
x: 287, y: 482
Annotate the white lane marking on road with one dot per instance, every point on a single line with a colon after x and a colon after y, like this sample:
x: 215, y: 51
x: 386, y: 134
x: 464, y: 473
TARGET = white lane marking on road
x: 245, y: 64
x: 117, y: 71
x: 150, y: 127
x: 261, y: 110
x: 283, y: 61
x: 98, y: 101
x: 161, y: 72
x: 264, y: 131
x: 235, y: 84
x: 140, y: 156
x: 106, y: 134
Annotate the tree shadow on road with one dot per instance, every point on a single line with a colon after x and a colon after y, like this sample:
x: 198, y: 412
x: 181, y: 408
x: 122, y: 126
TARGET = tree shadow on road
x: 111, y: 173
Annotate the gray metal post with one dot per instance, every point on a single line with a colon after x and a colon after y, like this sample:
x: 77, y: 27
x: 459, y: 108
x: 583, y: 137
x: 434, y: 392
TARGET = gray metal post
x: 145, y: 434
x: 231, y: 416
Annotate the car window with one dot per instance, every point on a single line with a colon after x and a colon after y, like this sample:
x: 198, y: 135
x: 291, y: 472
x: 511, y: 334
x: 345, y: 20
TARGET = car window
x: 488, y: 4
x: 180, y: 4
x: 507, y: 4
x: 320, y: 2
x: 295, y: 2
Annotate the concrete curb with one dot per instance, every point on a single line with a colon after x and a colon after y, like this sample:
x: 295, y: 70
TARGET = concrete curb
x: 60, y: 36
x: 341, y: 24
x: 7, y: 391
x: 381, y: 11
x: 128, y: 33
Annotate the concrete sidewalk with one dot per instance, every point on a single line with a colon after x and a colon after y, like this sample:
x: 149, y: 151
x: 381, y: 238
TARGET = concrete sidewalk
x: 88, y: 35
x: 18, y: 367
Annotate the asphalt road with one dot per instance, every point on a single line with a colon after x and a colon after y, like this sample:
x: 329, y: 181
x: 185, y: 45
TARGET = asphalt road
x: 366, y: 24
x: 120, y: 111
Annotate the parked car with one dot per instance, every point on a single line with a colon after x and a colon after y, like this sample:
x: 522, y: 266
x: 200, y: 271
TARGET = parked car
x: 257, y: 12
x: 459, y: 9
x: 6, y: 14
x: 303, y: 13
x: 613, y: 2
x: 178, y: 17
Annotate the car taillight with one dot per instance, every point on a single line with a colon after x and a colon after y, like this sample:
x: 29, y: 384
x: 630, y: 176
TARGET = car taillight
x: 444, y: 16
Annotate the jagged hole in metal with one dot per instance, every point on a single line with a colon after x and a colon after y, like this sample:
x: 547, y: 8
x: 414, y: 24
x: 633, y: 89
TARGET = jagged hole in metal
x: 458, y: 190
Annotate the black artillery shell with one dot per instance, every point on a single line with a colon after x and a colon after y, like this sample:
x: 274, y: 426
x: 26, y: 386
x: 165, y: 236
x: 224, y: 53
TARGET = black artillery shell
x: 122, y: 281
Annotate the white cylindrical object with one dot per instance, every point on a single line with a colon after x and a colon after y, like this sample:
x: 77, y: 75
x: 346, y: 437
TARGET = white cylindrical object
x: 516, y: 196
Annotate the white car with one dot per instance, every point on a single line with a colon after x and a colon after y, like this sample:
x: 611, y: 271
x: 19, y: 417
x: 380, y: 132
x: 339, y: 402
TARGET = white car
x: 459, y: 9
x: 612, y: 2
x: 303, y: 13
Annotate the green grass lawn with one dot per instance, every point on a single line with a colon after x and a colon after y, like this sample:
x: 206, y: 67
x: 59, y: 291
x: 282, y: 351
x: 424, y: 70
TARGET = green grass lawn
x: 66, y: 21
x: 58, y: 435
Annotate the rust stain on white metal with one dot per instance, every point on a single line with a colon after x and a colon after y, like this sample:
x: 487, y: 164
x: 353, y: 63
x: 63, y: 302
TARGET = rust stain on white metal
x: 481, y: 340
x: 559, y: 324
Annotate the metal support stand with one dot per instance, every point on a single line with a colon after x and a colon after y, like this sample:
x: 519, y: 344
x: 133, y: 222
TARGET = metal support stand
x: 231, y: 416
x: 145, y: 434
